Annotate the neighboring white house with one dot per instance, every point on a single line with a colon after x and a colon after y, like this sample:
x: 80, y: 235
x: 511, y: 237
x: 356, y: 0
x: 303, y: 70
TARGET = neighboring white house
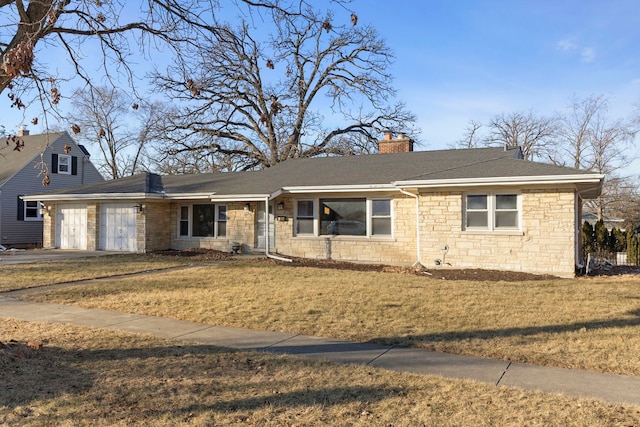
x: 477, y: 208
x: 21, y: 172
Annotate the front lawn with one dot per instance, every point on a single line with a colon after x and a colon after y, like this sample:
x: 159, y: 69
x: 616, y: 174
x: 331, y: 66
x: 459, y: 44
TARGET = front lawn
x: 585, y: 323
x: 28, y: 275
x: 92, y: 377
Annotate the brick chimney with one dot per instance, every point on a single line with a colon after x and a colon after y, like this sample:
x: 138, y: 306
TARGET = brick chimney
x: 400, y: 144
x: 23, y: 131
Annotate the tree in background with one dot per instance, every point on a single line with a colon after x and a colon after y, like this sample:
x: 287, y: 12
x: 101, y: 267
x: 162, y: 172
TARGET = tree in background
x: 105, y: 118
x: 101, y: 40
x: 588, y: 238
x: 588, y: 139
x: 601, y: 236
x: 531, y: 133
x: 618, y: 240
x: 254, y: 91
x: 582, y: 136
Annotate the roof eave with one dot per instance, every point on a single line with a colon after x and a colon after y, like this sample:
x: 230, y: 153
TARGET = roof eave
x: 90, y: 196
x: 238, y: 197
x: 503, y: 181
x: 339, y: 188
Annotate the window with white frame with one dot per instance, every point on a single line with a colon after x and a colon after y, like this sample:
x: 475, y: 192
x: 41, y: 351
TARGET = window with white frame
x: 344, y: 216
x: 305, y: 218
x: 491, y: 212
x: 381, y: 217
x: 64, y: 164
x: 203, y: 220
x: 32, y: 211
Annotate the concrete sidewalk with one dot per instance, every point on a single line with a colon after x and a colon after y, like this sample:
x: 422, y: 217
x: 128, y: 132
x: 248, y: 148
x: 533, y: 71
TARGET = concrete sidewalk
x: 608, y: 387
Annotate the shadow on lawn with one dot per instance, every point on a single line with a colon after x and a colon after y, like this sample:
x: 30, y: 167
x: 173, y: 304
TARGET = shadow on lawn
x: 114, y: 380
x: 513, y: 332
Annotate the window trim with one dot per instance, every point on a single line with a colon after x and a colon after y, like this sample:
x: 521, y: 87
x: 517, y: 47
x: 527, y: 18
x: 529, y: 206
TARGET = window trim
x: 38, y: 209
x: 369, y: 219
x: 189, y: 221
x: 491, y: 212
x: 68, y: 165
x: 313, y: 217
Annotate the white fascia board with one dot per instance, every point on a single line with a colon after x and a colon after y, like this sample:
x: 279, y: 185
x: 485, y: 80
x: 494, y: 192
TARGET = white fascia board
x: 93, y: 196
x: 505, y: 181
x: 238, y: 197
x: 340, y: 188
x: 183, y: 196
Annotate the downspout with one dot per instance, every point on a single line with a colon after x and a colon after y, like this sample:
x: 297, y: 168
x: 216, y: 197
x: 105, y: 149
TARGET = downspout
x: 266, y: 233
x: 418, y: 250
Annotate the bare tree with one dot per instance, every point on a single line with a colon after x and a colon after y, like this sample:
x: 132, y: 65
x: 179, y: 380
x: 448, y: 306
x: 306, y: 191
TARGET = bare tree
x: 471, y: 137
x: 108, y: 120
x: 532, y: 134
x: 589, y: 139
x: 111, y: 33
x: 576, y: 130
x: 245, y: 93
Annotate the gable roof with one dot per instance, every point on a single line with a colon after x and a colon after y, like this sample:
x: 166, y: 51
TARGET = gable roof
x: 12, y: 161
x: 376, y: 172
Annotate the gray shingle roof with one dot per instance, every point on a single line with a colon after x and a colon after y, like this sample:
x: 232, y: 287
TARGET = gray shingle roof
x: 12, y: 161
x: 376, y: 169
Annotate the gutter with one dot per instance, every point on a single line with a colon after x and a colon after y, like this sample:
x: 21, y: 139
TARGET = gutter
x: 503, y: 181
x: 418, y: 250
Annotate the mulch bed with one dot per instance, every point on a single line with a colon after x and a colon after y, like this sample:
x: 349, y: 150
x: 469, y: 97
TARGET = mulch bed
x: 442, y: 273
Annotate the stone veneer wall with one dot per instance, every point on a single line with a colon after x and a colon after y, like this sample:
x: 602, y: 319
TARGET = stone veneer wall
x: 153, y: 227
x: 49, y: 227
x: 545, y: 244
x: 399, y: 249
x: 240, y: 228
x: 93, y: 226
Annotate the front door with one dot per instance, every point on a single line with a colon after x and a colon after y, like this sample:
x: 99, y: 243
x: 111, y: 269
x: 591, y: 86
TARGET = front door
x: 261, y: 224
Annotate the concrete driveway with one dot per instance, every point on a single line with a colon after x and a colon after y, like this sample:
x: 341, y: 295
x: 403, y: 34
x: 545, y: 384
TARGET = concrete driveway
x: 39, y: 255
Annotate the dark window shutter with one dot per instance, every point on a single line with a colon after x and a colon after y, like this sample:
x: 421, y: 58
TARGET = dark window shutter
x: 20, y: 208
x: 54, y: 163
x: 74, y: 165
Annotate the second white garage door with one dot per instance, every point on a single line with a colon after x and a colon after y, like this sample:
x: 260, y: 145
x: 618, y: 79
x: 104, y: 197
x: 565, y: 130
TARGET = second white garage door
x: 118, y: 227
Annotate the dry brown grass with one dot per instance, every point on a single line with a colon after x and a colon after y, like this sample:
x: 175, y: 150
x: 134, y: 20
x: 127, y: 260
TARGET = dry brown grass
x: 85, y: 377
x: 20, y: 276
x: 589, y: 323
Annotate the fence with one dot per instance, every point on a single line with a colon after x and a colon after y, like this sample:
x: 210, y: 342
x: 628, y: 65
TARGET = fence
x: 601, y: 259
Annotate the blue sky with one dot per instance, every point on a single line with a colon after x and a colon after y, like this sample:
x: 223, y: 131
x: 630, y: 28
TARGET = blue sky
x: 462, y: 60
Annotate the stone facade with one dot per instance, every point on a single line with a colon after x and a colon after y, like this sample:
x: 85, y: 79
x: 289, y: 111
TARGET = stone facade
x: 545, y: 242
x: 240, y: 228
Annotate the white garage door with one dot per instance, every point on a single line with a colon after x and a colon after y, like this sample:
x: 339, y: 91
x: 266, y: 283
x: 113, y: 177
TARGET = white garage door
x: 71, y: 226
x: 118, y: 227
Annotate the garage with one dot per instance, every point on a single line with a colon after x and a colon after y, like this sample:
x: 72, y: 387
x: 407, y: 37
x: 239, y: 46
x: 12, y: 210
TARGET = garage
x: 71, y: 226
x: 118, y: 227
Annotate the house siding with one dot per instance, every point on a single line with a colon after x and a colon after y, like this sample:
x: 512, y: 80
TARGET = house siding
x: 29, y: 181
